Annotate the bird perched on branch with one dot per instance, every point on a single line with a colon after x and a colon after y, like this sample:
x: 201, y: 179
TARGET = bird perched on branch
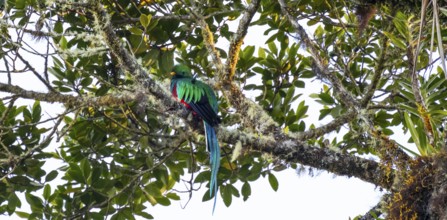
x: 201, y: 100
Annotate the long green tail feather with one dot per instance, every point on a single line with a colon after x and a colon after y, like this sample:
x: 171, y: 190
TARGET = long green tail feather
x: 213, y: 148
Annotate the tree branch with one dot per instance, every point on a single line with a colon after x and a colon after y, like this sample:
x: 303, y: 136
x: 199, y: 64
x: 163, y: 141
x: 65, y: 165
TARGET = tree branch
x: 238, y: 40
x: 173, y: 17
x: 377, y: 210
x: 34, y: 71
x: 208, y: 40
x: 70, y: 100
x: 378, y: 71
x: 327, y: 128
x: 126, y: 59
x: 339, y: 163
x: 322, y: 68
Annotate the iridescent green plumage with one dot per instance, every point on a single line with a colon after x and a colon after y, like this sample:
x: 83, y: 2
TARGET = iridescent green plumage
x: 195, y: 93
x: 200, y: 98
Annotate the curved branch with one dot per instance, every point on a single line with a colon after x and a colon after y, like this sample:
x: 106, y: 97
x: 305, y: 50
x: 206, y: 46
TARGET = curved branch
x: 237, y: 41
x: 322, y: 158
x: 126, y: 59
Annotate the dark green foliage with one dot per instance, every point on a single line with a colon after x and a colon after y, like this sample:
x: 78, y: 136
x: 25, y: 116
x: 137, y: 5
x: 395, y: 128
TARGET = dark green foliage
x: 116, y: 157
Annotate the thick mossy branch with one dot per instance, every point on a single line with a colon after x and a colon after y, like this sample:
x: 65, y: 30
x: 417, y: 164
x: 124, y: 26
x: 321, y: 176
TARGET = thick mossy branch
x: 238, y: 40
x: 412, y: 193
x: 208, y: 40
x: 126, y: 59
x: 421, y: 192
x: 46, y: 97
x: 70, y: 100
x: 322, y: 158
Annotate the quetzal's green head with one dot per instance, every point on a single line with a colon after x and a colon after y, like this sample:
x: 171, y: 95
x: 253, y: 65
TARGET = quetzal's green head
x: 181, y: 71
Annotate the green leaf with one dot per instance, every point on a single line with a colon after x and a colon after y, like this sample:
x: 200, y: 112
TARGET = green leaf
x: 414, y: 134
x: 22, y: 214
x: 20, y: 4
x: 163, y: 201
x: 86, y: 81
x: 75, y: 173
x: 166, y: 61
x: 145, y: 215
x: 86, y: 168
x: 136, y: 31
x: 255, y: 172
x: 202, y: 177
x: 145, y: 20
x: 272, y: 47
x: 13, y: 201
x: 400, y: 21
x: 37, y: 111
x: 299, y: 84
x: 51, y: 176
x: 301, y: 110
x: 326, y: 98
x: 291, y: 118
x: 46, y: 191
x: 443, y: 10
x: 173, y: 196
x: 246, y: 191
x: 289, y: 95
x: 227, y: 194
x: 395, y: 40
x: 248, y: 52
x: 206, y: 196
x: 261, y: 52
x: 63, y: 43
x: 58, y: 27
x: 151, y: 57
x: 152, y: 24
x: 234, y: 190
x: 35, y: 202
x: 273, y: 181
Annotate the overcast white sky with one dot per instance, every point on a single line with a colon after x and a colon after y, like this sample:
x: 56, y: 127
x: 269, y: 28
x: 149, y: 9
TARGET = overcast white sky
x: 298, y: 197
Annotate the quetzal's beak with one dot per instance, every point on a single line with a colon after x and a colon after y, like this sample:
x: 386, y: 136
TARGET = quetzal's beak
x: 172, y: 73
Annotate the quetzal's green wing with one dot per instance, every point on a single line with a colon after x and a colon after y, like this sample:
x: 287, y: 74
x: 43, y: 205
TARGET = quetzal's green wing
x: 189, y: 91
x: 200, y: 97
x: 212, y: 99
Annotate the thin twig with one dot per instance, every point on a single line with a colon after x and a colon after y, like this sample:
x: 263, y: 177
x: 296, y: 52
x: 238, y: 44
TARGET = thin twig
x: 34, y: 71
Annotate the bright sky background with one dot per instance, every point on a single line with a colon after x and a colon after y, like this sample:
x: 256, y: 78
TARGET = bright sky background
x: 323, y: 196
x: 298, y: 197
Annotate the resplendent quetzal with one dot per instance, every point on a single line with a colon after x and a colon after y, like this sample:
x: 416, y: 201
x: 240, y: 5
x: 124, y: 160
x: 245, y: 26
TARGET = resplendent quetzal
x: 201, y: 99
